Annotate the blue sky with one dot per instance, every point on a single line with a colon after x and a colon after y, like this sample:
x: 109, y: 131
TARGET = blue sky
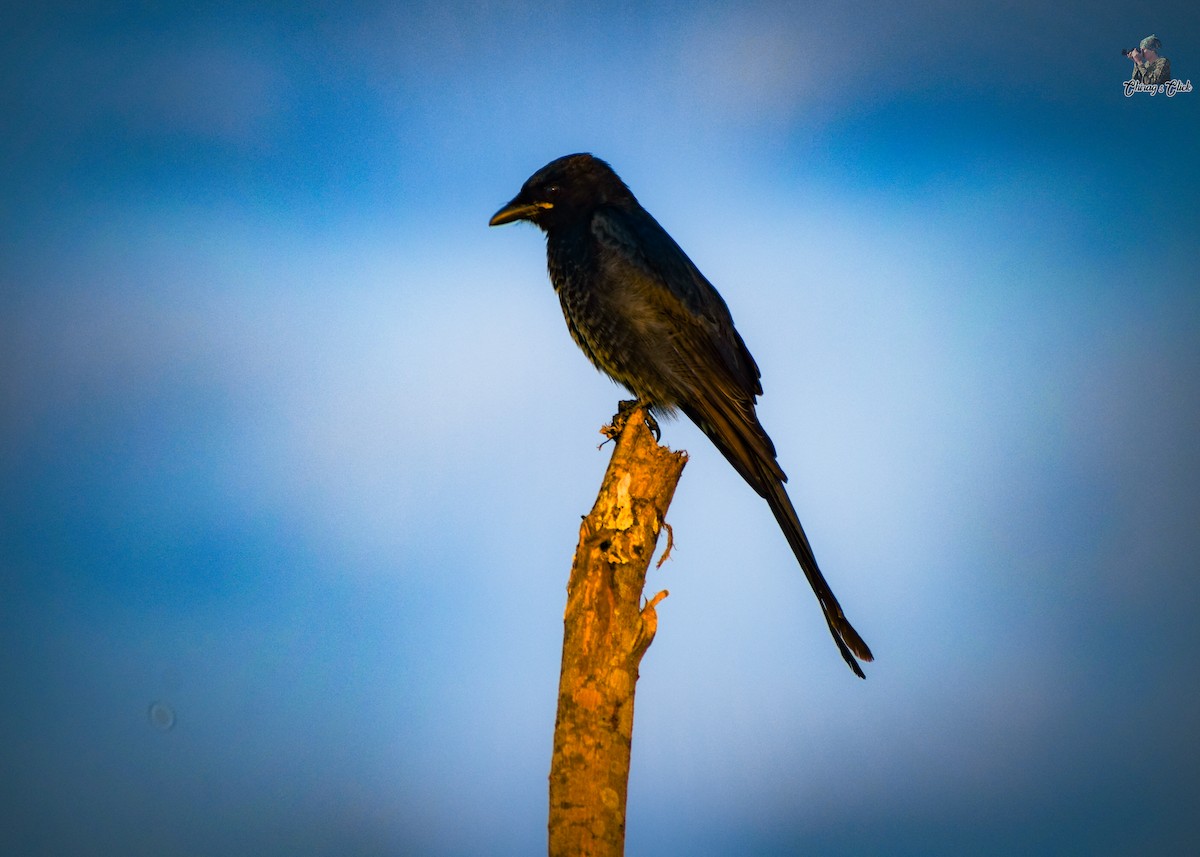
x: 294, y: 445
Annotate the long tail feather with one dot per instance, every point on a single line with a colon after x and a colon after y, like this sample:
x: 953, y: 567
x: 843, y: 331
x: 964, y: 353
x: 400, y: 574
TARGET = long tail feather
x: 849, y: 643
x: 744, y: 443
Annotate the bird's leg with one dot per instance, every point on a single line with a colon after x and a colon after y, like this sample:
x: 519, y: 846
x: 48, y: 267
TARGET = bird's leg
x: 652, y: 424
x: 625, y: 408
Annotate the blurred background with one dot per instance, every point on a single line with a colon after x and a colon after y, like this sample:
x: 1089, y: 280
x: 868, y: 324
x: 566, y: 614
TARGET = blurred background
x: 293, y: 448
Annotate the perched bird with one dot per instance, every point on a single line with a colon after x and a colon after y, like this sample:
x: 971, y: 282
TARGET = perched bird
x: 646, y: 316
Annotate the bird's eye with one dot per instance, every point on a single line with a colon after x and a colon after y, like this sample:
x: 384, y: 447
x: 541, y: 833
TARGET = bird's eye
x: 551, y: 190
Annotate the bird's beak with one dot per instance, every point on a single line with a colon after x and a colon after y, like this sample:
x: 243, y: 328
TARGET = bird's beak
x: 517, y: 210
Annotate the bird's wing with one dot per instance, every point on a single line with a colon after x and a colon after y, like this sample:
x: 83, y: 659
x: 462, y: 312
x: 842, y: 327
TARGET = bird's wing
x: 715, y: 376
x: 643, y: 244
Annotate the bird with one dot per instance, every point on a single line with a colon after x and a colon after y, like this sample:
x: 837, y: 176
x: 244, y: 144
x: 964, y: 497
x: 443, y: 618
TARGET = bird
x: 643, y: 314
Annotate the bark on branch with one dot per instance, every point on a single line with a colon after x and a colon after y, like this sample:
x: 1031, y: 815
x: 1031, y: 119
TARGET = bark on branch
x: 606, y: 631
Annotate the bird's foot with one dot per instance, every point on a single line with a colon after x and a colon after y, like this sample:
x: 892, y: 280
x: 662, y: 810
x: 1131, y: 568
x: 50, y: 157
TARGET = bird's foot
x: 627, y: 407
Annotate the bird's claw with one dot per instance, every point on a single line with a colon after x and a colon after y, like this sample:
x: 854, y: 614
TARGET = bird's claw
x: 652, y: 424
x: 625, y: 408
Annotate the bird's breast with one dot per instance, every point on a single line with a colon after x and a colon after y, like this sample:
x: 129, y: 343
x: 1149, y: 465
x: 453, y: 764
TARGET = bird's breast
x: 609, y: 318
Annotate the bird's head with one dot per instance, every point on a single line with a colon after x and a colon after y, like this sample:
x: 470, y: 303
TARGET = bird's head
x: 564, y: 191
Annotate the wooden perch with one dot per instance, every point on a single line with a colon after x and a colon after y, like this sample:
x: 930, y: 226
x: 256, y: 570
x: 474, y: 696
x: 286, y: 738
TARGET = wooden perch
x: 606, y: 632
